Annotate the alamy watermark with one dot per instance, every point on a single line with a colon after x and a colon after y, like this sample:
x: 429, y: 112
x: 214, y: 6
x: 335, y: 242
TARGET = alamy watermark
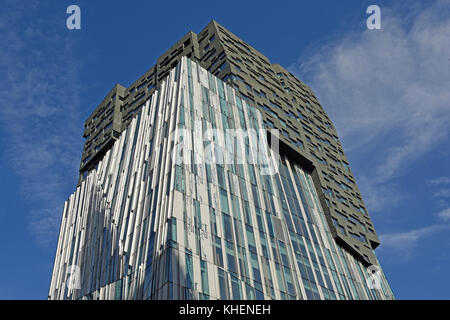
x: 73, y: 21
x: 230, y: 146
x: 374, y: 279
x: 374, y: 20
x: 73, y: 281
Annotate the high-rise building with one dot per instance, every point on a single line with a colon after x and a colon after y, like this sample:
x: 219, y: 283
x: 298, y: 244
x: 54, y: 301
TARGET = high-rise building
x: 216, y: 175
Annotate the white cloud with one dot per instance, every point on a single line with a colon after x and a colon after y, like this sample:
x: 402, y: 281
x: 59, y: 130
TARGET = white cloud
x: 402, y: 243
x: 444, y: 214
x: 440, y: 181
x: 443, y: 193
x: 380, y: 196
x: 39, y: 114
x: 395, y: 85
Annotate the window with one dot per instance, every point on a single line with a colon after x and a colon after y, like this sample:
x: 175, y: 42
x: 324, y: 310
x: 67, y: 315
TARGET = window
x: 236, y: 288
x: 222, y: 67
x: 107, y: 126
x: 250, y: 238
x: 346, y: 167
x: 227, y: 77
x: 341, y: 200
x: 359, y: 237
x: 139, y: 87
x: 86, y: 159
x: 238, y: 78
x: 328, y: 192
x: 179, y: 179
x: 261, y: 93
x: 341, y: 229
x: 172, y: 229
x: 224, y: 201
x: 204, y: 276
x: 189, y: 271
x: 269, y: 124
x: 299, y: 144
x: 218, y: 257
x: 228, y: 233
x: 223, y: 284
x: 237, y: 60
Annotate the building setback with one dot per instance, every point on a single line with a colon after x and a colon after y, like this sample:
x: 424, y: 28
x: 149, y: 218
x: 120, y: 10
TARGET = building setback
x: 143, y: 225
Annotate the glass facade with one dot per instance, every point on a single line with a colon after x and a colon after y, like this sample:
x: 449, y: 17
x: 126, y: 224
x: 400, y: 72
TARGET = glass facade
x: 190, y: 203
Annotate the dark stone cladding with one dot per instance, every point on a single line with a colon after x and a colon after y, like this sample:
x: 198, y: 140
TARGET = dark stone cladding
x: 307, y: 134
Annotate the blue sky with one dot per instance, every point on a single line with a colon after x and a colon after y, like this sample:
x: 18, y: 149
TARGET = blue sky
x: 394, y: 82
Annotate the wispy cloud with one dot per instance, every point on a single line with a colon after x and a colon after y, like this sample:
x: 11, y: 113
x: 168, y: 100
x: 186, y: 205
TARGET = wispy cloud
x: 39, y: 114
x: 444, y: 214
x: 443, y: 193
x: 440, y: 181
x: 380, y: 196
x: 401, y: 244
x: 395, y: 85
